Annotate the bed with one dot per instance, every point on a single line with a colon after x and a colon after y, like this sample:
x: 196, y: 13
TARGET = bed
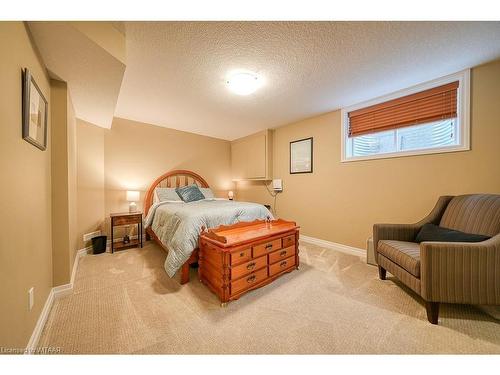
x: 176, y: 226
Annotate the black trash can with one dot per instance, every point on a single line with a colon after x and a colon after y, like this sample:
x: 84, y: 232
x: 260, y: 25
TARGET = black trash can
x: 99, y: 244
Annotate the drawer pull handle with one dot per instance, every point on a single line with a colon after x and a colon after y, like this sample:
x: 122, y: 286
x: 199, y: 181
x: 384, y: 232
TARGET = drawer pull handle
x: 283, y: 253
x: 283, y: 264
x: 251, y: 279
x: 251, y: 266
x: 242, y: 254
x: 269, y: 246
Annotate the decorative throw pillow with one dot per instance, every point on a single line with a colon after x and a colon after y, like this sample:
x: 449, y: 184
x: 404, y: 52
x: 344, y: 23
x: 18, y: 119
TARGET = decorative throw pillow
x: 207, y: 192
x: 166, y: 194
x: 431, y: 232
x: 190, y: 193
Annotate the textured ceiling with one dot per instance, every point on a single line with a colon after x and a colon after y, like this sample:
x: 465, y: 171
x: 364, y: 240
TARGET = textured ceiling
x: 176, y: 70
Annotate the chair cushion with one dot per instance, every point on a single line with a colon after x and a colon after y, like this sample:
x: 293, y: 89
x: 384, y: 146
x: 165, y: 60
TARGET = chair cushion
x: 404, y: 254
x: 473, y: 213
x: 431, y: 232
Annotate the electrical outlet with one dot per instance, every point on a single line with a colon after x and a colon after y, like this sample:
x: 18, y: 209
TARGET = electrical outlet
x: 89, y: 236
x: 31, y: 298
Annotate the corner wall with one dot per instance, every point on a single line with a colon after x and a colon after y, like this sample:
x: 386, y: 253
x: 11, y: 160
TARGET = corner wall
x: 340, y: 202
x: 63, y: 138
x: 90, y: 179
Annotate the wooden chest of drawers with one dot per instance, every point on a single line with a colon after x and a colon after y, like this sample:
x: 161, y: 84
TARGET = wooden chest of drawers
x: 238, y: 258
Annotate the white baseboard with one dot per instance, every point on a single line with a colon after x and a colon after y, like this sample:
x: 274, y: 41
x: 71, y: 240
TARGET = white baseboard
x: 334, y: 246
x: 55, y: 292
x: 80, y: 253
x: 42, y: 319
x: 62, y: 290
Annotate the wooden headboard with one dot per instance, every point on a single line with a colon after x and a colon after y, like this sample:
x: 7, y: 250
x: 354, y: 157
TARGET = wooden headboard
x: 172, y: 179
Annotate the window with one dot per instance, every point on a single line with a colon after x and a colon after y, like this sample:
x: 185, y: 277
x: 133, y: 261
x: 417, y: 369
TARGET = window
x: 429, y: 118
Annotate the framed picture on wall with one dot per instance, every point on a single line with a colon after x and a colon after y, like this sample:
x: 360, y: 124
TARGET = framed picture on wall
x: 301, y: 156
x: 35, y: 109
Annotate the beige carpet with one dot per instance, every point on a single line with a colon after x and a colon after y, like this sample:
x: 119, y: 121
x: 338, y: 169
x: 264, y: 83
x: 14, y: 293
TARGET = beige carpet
x: 335, y: 303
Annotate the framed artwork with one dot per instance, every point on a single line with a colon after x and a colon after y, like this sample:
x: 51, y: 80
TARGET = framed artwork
x: 301, y: 156
x: 35, y: 109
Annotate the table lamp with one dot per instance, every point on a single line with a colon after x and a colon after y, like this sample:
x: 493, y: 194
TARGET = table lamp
x: 132, y: 197
x: 230, y: 195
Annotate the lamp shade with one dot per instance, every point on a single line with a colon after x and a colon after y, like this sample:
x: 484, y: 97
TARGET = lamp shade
x: 132, y: 196
x: 230, y: 195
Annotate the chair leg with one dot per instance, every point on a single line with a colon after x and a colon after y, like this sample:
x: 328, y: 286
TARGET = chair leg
x: 432, y: 311
x: 185, y: 273
x: 381, y: 273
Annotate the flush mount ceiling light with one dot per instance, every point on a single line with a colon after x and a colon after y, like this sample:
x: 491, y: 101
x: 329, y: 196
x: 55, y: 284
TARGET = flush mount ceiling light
x: 243, y: 83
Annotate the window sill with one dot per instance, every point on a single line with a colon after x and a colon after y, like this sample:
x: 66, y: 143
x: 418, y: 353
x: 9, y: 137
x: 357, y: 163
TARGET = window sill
x: 406, y: 153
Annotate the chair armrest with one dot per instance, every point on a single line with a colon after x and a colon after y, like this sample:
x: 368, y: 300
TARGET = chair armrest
x: 408, y: 232
x: 397, y: 232
x: 461, y: 272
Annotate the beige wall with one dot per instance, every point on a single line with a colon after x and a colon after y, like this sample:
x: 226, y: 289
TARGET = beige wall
x: 340, y: 202
x: 63, y: 135
x: 90, y: 179
x: 26, y: 240
x: 136, y: 154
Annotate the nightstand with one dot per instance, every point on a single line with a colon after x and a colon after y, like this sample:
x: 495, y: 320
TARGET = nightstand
x: 126, y: 218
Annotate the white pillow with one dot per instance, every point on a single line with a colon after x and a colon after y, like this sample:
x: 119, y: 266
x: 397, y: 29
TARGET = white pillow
x: 165, y: 194
x: 208, y: 193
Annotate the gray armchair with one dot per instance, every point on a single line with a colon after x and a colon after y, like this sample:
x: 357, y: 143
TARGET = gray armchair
x: 450, y: 272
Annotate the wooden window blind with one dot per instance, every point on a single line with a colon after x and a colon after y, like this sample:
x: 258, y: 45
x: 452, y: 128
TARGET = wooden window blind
x: 435, y: 104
